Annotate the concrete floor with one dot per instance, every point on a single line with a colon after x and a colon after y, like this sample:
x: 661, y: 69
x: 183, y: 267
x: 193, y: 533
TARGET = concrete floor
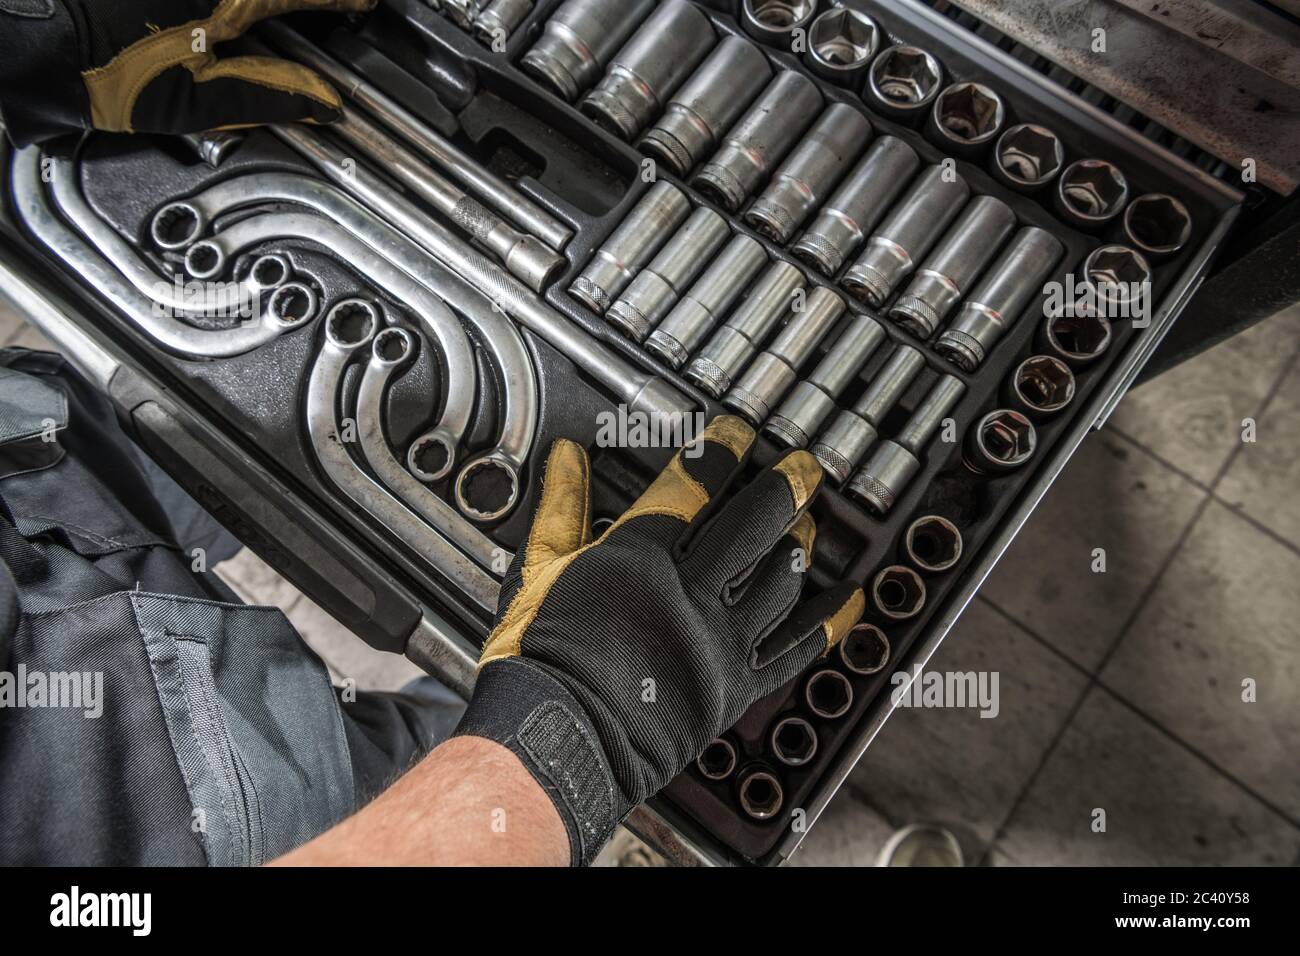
x: 1120, y: 691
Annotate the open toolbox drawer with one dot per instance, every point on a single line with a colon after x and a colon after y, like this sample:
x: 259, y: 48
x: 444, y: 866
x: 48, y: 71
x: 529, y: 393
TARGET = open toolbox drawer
x: 233, y: 429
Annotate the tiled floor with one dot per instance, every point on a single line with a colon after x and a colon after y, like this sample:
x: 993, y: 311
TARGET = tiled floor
x: 1148, y: 714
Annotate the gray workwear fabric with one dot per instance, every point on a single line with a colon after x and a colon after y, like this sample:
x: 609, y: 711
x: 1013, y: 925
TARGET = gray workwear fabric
x: 192, y: 729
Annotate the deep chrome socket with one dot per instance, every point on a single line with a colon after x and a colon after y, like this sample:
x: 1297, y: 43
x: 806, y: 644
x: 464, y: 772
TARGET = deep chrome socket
x: 1157, y: 225
x: 705, y: 107
x: 760, y: 794
x: 933, y: 544
x: 579, y: 40
x: 865, y: 649
x: 1076, y: 333
x: 1090, y: 193
x: 1008, y: 287
x: 733, y: 345
x: 898, y: 592
x: 659, y: 285
x: 648, y: 70
x: 772, y: 374
x: 894, y: 463
x: 817, y: 164
x: 500, y: 19
x: 947, y: 273
x: 857, y: 206
x: 1028, y: 157
x: 633, y: 244
x: 903, y: 82
x: 841, y: 46
x: 915, y: 225
x: 1118, y: 280
x: 1001, y: 441
x: 773, y: 22
x: 708, y: 301
x: 718, y: 760
x: 760, y: 140
x: 841, y: 446
x: 812, y: 401
x: 966, y: 119
x: 793, y: 741
x: 828, y: 694
x: 1041, y: 386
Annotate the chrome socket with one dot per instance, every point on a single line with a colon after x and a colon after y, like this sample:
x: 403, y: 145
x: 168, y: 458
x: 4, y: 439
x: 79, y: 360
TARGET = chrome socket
x: 708, y: 301
x: 1118, y: 280
x: 579, y: 40
x: 1009, y: 286
x: 828, y: 694
x: 760, y: 794
x: 933, y: 544
x: 656, y: 289
x: 1001, y: 441
x: 1078, y: 334
x: 812, y: 401
x: 706, y: 106
x: 648, y: 70
x: 463, y: 13
x: 957, y: 261
x: 633, y: 244
x: 1090, y: 193
x: 773, y: 22
x: 818, y: 163
x: 1028, y: 157
x: 501, y: 19
x: 966, y: 119
x: 733, y: 346
x: 898, y: 593
x: 903, y: 82
x: 1157, y: 225
x: 865, y: 650
x: 772, y: 374
x: 760, y: 140
x: 857, y: 206
x: 1041, y: 386
x: 718, y: 760
x: 915, y: 225
x: 793, y: 741
x: 841, y: 46
x: 842, y: 445
x: 894, y: 464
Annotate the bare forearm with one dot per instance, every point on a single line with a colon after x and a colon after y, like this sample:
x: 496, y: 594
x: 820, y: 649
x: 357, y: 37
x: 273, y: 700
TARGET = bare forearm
x: 468, y: 803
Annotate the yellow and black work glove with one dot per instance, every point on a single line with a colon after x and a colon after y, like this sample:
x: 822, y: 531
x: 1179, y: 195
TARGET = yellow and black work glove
x: 150, y: 66
x: 615, y: 661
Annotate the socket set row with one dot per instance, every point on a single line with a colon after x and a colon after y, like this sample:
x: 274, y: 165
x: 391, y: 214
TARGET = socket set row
x: 937, y: 394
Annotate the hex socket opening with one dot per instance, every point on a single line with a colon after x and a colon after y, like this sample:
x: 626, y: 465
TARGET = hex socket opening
x: 1030, y: 155
x: 905, y: 77
x: 175, y: 225
x: 1093, y: 190
x: 794, y: 742
x: 351, y: 322
x: 1119, y: 275
x: 717, y: 761
x: 969, y: 113
x: 843, y: 39
x: 865, y: 649
x: 1004, y: 439
x: 1044, y: 384
x: 761, y: 795
x: 292, y: 303
x: 899, y: 592
x: 1157, y: 224
x: 829, y: 694
x: 780, y: 14
x: 933, y: 543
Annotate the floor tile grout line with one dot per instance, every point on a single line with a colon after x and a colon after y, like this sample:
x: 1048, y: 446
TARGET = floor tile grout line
x: 1030, y: 632
x: 1196, y: 752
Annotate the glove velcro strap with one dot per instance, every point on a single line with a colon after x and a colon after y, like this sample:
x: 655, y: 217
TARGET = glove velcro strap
x: 522, y: 707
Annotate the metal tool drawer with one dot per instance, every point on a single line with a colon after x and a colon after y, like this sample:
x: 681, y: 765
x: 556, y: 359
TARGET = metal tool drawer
x: 243, y: 428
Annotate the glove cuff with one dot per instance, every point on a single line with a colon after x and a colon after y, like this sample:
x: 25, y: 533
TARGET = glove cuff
x: 519, y: 705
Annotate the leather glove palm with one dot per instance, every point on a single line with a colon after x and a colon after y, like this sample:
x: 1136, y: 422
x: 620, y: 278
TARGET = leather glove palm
x: 150, y: 66
x: 615, y: 661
